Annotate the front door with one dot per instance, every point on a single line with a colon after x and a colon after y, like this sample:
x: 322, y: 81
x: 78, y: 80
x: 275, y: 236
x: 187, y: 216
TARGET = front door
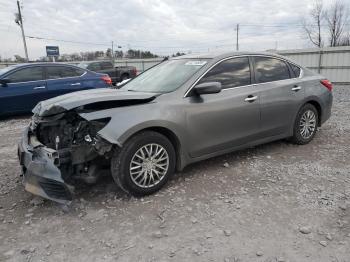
x: 27, y: 87
x: 217, y: 122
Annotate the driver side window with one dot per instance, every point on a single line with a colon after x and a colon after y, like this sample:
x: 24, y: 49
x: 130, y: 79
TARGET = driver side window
x: 230, y: 73
x: 27, y: 74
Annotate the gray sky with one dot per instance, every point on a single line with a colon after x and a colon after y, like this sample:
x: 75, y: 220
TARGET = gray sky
x: 162, y: 26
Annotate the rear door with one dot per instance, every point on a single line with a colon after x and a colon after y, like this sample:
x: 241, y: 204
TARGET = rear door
x: 281, y: 94
x: 228, y: 119
x: 27, y: 87
x: 64, y: 79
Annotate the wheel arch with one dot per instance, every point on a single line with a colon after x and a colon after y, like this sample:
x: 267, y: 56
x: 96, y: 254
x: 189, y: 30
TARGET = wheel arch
x: 318, y: 107
x: 169, y: 134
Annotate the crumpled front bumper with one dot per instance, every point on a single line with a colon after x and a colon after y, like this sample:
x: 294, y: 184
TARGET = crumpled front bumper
x: 41, y: 176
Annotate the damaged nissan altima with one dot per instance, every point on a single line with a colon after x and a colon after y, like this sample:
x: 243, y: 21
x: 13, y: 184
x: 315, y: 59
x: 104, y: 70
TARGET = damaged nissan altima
x: 182, y: 110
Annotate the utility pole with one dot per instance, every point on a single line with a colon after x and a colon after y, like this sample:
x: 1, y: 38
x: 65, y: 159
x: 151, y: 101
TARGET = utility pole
x: 237, y: 29
x: 19, y: 21
x: 112, y: 55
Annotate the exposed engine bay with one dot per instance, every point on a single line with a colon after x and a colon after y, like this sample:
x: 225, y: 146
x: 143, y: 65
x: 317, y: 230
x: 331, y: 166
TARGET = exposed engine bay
x: 80, y: 153
x: 64, y: 143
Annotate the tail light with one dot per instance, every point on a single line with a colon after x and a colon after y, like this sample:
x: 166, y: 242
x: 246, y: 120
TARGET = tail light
x: 107, y: 80
x: 327, y: 84
x: 134, y: 71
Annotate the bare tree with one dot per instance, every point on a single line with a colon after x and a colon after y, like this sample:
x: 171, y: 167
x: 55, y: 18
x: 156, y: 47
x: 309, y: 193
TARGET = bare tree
x: 345, y: 40
x: 312, y: 26
x: 337, y: 18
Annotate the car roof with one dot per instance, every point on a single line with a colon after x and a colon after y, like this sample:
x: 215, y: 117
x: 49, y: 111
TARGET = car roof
x: 44, y: 64
x: 220, y: 55
x: 99, y: 61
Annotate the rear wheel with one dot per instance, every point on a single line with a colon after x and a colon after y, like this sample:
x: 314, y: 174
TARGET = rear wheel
x: 144, y: 164
x: 305, y: 126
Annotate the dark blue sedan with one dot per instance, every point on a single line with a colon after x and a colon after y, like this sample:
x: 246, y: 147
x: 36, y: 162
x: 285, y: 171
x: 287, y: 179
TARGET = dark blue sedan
x: 23, y: 86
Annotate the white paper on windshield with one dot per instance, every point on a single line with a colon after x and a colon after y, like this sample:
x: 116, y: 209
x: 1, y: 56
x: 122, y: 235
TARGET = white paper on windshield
x: 196, y: 63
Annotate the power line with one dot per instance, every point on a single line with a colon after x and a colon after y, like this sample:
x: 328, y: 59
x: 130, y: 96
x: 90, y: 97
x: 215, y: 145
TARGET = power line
x: 282, y: 25
x: 201, y: 45
x: 66, y: 41
x: 102, y: 44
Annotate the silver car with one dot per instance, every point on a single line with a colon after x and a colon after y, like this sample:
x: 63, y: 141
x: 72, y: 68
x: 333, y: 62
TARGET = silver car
x: 183, y: 110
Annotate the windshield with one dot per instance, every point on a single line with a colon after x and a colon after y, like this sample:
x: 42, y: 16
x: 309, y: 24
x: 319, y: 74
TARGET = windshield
x: 6, y: 69
x: 165, y: 77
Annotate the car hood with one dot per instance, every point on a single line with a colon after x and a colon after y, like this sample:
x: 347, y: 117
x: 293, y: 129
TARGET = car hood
x: 94, y: 99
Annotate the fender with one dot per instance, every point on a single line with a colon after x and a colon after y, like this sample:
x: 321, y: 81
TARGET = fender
x: 182, y: 152
x: 313, y: 99
x: 122, y: 126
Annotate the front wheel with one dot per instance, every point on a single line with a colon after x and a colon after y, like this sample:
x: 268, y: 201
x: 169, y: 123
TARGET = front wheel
x: 144, y: 164
x: 305, y: 126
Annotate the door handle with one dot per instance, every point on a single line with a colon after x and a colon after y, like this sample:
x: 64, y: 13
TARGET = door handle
x: 296, y: 88
x: 39, y: 87
x: 75, y: 84
x: 250, y: 99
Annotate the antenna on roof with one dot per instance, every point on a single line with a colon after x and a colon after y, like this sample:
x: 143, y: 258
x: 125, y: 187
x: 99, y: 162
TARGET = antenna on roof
x: 237, y: 29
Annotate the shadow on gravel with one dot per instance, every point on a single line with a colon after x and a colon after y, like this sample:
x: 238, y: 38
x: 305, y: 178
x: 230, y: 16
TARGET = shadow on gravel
x: 233, y: 157
x: 15, y: 117
x: 106, y: 186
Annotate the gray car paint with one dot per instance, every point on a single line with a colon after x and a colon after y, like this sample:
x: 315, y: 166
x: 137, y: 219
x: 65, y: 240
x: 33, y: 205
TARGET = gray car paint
x: 76, y: 99
x: 34, y: 173
x: 212, y: 124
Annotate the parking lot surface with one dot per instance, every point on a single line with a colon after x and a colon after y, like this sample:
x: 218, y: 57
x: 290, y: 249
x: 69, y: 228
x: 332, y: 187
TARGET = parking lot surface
x: 275, y: 202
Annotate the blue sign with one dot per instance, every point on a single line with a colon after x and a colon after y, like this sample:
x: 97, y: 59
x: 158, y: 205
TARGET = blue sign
x: 52, y: 51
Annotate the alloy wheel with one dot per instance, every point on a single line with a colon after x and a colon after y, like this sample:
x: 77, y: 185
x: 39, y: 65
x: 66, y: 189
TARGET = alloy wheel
x: 307, y: 124
x: 149, y: 165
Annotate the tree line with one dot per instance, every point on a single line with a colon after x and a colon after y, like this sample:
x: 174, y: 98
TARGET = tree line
x: 94, y: 55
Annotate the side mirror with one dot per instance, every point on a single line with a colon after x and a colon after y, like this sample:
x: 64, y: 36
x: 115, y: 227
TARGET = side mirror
x: 4, y: 81
x: 208, y: 88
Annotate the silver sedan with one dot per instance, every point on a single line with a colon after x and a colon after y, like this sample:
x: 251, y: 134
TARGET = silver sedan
x: 184, y: 110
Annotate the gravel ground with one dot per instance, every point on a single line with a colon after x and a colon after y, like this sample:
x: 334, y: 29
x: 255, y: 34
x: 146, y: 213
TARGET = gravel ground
x: 275, y: 202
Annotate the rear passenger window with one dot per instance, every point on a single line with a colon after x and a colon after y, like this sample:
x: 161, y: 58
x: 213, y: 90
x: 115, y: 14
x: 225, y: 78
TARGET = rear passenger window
x: 270, y: 69
x: 27, y: 74
x: 71, y: 72
x: 230, y: 73
x: 106, y: 65
x: 94, y: 67
x: 54, y: 72
x: 296, y: 70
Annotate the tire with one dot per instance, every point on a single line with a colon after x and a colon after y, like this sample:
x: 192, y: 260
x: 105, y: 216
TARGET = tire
x: 128, y: 175
x: 299, y: 137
